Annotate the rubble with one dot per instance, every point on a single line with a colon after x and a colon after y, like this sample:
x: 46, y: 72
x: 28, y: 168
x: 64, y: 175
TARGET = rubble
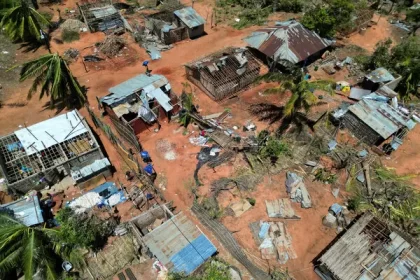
x: 297, y: 190
x: 71, y: 54
x: 73, y: 25
x: 112, y: 45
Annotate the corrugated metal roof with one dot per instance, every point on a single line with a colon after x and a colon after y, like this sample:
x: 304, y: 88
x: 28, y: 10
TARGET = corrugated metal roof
x: 118, y: 94
x: 190, y: 17
x: 26, y: 210
x: 380, y: 75
x: 358, y: 93
x: 290, y: 41
x: 179, y: 244
x: 380, y: 116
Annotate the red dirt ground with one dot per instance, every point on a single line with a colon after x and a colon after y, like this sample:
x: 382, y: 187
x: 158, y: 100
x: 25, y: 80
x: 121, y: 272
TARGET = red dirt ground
x: 309, y: 236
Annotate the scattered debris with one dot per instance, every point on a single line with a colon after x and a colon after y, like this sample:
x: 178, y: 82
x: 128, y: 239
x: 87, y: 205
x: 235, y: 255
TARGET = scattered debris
x: 297, y: 190
x: 112, y: 45
x: 280, y: 208
x: 240, y: 207
x: 92, y: 58
x: 73, y: 25
x: 71, y: 54
x: 277, y: 242
x: 198, y: 141
x: 166, y: 148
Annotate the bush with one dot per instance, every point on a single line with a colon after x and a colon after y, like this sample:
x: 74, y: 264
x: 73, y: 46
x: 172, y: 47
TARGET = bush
x: 48, y: 16
x: 273, y: 148
x: 83, y: 230
x: 291, y: 6
x: 69, y: 35
x: 251, y: 201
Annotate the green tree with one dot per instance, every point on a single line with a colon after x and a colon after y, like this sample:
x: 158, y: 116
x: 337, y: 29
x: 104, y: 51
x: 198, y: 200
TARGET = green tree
x: 22, y: 22
x: 302, y: 99
x: 320, y: 20
x: 29, y: 249
x: 53, y: 75
x: 402, y: 59
x: 413, y: 16
x: 83, y: 230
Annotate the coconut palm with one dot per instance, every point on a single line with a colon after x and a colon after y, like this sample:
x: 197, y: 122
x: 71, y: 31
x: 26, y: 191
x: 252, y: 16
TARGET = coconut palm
x: 28, y: 249
x: 22, y: 22
x: 53, y: 75
x: 300, y: 102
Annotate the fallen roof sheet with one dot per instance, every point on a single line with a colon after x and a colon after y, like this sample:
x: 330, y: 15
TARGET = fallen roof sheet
x: 118, y: 94
x: 380, y: 75
x: 381, y: 117
x: 386, y: 91
x: 47, y: 133
x: 179, y: 244
x: 97, y: 165
x: 290, y: 41
x: 26, y: 210
x: 101, y: 12
x: 190, y: 17
x: 358, y: 93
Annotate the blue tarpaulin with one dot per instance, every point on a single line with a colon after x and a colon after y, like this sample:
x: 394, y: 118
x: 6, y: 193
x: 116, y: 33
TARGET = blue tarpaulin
x: 193, y: 255
x: 264, y: 230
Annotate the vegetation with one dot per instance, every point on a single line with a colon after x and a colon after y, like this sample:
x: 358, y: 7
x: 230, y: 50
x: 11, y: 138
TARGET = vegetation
x: 327, y: 19
x: 214, y: 270
x: 394, y: 198
x: 402, y: 59
x: 22, y: 22
x: 83, y: 230
x: 27, y: 249
x: 52, y: 74
x: 301, y: 100
x: 68, y: 35
x: 273, y: 148
x: 253, y: 12
x: 188, y: 107
x: 413, y: 16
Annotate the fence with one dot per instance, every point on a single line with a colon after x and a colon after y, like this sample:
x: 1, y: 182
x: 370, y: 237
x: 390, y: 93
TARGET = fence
x: 228, y: 241
x: 128, y: 150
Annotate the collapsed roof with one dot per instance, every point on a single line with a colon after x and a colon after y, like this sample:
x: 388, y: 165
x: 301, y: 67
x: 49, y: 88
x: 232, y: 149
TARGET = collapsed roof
x: 289, y: 41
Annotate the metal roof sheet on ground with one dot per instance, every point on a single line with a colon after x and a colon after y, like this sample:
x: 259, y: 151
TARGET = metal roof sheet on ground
x: 290, y: 41
x: 381, y: 117
x: 380, y: 75
x: 179, y: 244
x: 162, y: 99
x: 119, y: 93
x: 358, y: 93
x: 190, y: 17
x: 46, y: 134
x: 26, y: 210
x: 101, y: 12
x: 386, y: 91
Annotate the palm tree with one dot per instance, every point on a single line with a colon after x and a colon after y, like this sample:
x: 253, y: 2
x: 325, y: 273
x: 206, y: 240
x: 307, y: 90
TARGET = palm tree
x: 22, y: 22
x: 301, y: 100
x: 53, y: 75
x: 29, y: 249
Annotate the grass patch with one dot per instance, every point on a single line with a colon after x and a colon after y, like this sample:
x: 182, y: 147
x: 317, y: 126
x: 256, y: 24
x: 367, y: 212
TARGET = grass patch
x: 69, y: 35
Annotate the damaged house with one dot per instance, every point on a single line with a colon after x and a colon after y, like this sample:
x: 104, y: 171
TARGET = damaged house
x: 172, y: 27
x: 373, y: 121
x: 223, y: 73
x: 174, y: 240
x: 103, y: 17
x: 40, y: 155
x: 141, y: 101
x: 370, y: 249
x: 380, y: 78
x: 288, y: 43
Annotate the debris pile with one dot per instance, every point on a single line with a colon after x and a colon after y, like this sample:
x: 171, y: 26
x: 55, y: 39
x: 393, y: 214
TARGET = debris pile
x: 112, y: 45
x: 280, y: 208
x: 71, y: 54
x: 297, y: 190
x: 277, y: 242
x: 73, y: 25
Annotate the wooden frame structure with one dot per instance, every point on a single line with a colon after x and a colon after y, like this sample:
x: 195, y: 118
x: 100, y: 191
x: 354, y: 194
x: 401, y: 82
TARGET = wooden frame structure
x: 224, y: 73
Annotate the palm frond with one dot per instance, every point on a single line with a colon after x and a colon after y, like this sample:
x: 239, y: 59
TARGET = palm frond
x: 30, y: 254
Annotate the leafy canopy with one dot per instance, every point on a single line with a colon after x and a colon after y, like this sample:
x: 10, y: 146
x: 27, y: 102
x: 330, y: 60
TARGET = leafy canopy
x: 83, y: 230
x: 52, y: 74
x: 22, y: 22
x: 402, y: 59
x: 28, y: 249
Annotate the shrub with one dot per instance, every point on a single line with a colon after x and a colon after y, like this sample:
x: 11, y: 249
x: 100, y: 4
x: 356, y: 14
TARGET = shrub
x: 273, y: 148
x: 69, y: 35
x: 251, y: 201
